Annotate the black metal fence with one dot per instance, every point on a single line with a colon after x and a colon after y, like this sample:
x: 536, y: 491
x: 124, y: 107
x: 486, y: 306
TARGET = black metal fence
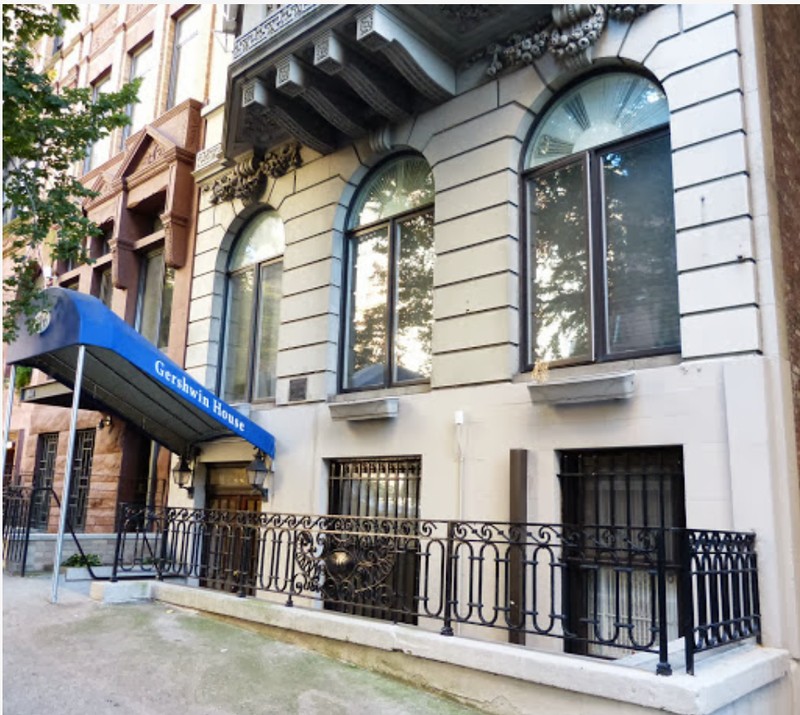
x: 22, y: 513
x: 606, y: 591
x: 17, y: 512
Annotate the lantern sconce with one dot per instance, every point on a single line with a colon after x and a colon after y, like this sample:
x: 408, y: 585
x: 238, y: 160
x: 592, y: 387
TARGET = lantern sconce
x: 105, y: 421
x: 183, y: 476
x: 260, y: 474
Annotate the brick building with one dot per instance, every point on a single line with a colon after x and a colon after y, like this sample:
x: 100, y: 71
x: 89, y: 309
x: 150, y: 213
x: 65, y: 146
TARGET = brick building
x: 142, y: 264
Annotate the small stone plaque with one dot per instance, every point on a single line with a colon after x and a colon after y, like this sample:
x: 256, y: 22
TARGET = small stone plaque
x: 297, y: 389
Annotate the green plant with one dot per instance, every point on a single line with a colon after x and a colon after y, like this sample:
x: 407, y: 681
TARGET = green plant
x: 86, y: 560
x: 22, y: 377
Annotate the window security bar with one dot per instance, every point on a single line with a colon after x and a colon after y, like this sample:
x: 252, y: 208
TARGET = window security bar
x: 442, y: 573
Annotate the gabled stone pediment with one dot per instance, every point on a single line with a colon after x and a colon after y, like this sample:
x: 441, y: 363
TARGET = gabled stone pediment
x: 147, y: 150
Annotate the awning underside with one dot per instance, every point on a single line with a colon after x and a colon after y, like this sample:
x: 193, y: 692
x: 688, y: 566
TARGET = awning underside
x: 118, y: 387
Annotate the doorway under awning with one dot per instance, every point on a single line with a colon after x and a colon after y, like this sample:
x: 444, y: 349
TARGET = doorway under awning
x: 125, y: 375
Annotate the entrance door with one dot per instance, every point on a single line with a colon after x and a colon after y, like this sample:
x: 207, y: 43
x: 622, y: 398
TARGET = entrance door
x: 231, y: 539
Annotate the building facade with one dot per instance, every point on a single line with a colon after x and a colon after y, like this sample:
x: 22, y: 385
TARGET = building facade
x: 460, y: 244
x: 141, y: 266
x: 475, y: 267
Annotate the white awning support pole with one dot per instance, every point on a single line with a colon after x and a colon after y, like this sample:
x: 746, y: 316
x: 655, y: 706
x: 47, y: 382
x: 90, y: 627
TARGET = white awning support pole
x: 62, y: 522
x: 7, y: 422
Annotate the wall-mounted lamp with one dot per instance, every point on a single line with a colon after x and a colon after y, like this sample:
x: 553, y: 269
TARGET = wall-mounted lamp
x: 183, y: 476
x: 104, y: 422
x: 260, y: 475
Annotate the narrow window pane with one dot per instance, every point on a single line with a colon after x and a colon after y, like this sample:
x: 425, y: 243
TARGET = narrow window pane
x: 186, y: 71
x: 560, y: 320
x: 640, y: 248
x: 106, y: 288
x: 238, y: 331
x: 150, y: 294
x: 267, y: 337
x: 141, y: 112
x: 414, y: 306
x: 366, y: 345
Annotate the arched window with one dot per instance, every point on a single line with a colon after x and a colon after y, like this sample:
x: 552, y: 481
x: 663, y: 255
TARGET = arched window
x: 250, y: 345
x: 601, y: 232
x: 389, y: 281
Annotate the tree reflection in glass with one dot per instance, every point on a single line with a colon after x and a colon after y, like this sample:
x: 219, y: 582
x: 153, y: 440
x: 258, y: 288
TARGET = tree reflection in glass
x: 369, y: 258
x: 238, y: 333
x: 560, y: 265
x: 414, y: 300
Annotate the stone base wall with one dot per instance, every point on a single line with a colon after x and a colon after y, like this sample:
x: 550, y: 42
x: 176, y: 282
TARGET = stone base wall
x: 41, y: 550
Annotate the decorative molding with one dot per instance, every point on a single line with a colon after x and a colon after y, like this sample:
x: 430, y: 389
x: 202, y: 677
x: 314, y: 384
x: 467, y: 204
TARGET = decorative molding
x: 468, y: 17
x: 422, y: 67
x: 247, y: 180
x: 207, y: 157
x: 332, y: 58
x: 568, y: 34
x: 280, y: 17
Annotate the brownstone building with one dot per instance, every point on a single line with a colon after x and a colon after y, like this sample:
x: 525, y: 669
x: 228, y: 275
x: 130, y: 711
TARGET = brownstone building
x: 141, y: 266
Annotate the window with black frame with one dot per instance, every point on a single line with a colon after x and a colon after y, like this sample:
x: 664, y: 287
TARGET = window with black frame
x: 252, y: 319
x: 389, y: 280
x: 602, y: 275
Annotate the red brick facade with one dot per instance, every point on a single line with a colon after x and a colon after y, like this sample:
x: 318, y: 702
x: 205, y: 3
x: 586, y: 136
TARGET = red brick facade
x: 781, y: 24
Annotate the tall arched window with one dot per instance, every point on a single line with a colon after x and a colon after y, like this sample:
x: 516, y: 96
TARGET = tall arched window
x: 601, y: 231
x: 250, y: 344
x: 389, y: 279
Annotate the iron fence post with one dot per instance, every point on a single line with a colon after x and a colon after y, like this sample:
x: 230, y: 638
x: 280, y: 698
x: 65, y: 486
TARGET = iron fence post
x: 244, y: 563
x: 162, y: 559
x: 25, y: 543
x: 118, y: 545
x: 686, y: 600
x: 447, y: 629
x: 663, y: 667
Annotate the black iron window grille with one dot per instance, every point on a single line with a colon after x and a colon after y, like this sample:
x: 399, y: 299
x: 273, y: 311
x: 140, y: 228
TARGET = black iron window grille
x: 383, y: 570
x: 81, y: 474
x: 46, y: 450
x: 625, y: 493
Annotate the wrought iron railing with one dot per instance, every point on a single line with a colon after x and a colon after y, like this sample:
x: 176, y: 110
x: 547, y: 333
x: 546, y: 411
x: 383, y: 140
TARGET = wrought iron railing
x: 17, y: 503
x: 606, y: 591
x: 22, y: 510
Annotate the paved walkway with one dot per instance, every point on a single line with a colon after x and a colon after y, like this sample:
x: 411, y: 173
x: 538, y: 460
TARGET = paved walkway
x: 81, y: 657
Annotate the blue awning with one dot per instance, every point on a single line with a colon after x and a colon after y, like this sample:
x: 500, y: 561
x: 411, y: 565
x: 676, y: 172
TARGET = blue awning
x: 127, y: 376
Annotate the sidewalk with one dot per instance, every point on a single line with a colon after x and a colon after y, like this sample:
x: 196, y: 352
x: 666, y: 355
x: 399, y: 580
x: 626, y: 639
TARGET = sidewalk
x: 82, y: 657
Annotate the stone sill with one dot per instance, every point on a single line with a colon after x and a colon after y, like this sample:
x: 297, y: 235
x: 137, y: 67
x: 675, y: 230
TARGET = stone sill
x: 583, y: 389
x: 722, y: 677
x: 379, y: 408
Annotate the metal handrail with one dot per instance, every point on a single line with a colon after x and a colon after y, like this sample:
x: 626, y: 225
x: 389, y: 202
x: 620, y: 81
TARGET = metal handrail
x: 605, y: 590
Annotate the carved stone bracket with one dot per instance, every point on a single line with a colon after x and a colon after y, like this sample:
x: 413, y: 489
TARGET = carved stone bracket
x: 247, y: 180
x: 568, y: 34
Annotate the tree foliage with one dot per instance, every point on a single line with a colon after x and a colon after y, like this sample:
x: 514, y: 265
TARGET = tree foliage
x: 46, y: 131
